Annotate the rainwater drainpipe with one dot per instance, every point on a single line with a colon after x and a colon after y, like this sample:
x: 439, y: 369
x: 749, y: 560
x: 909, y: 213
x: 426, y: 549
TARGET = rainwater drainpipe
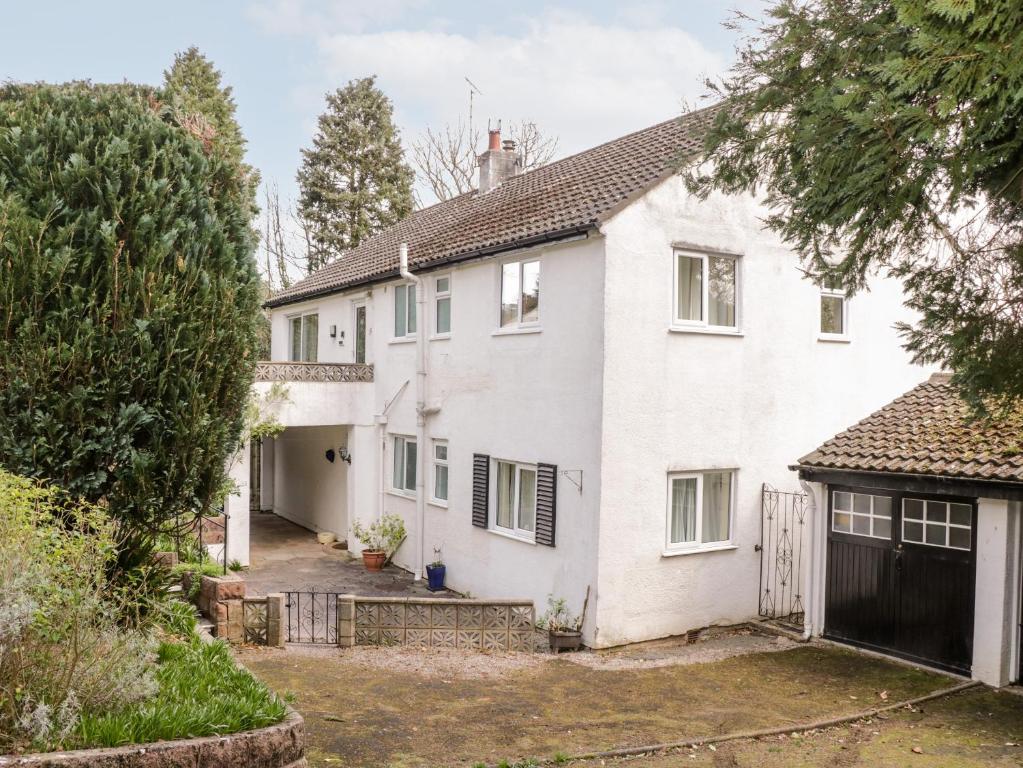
x: 421, y: 322
x: 811, y: 607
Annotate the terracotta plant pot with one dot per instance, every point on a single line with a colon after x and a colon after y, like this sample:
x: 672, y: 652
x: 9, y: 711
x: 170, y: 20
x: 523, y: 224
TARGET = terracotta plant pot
x: 564, y: 639
x: 374, y: 559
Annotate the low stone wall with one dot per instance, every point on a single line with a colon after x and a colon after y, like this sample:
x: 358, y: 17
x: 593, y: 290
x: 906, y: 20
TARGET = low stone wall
x: 499, y: 625
x: 277, y: 746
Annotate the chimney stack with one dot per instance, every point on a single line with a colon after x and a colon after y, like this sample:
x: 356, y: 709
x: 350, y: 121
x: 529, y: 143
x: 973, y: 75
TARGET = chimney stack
x: 499, y: 163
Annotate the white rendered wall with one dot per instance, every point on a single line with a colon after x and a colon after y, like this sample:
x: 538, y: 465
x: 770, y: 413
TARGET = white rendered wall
x: 528, y: 397
x: 237, y: 508
x: 689, y: 401
x: 309, y: 490
x: 995, y: 636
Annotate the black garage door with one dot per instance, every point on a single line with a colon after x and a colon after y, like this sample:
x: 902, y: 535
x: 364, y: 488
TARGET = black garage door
x: 900, y: 574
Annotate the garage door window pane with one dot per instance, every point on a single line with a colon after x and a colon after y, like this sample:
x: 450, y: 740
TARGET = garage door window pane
x: 843, y: 501
x: 861, y: 503
x: 842, y: 522
x: 959, y: 538
x: 937, y: 511
x: 960, y: 514
x: 913, y: 509
x: 882, y: 506
x: 882, y: 528
x: 936, y: 535
x: 912, y: 532
x: 861, y: 525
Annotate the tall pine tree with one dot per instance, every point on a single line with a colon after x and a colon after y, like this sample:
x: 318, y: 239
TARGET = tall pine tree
x: 354, y: 180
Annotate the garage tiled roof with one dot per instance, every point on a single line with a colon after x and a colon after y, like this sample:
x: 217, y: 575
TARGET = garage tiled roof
x: 928, y: 431
x: 570, y: 195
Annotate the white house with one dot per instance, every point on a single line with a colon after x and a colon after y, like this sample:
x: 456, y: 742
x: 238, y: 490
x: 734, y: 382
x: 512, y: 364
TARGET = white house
x: 607, y: 371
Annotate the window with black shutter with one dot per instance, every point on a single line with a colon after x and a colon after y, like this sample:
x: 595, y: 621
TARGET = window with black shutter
x: 480, y: 490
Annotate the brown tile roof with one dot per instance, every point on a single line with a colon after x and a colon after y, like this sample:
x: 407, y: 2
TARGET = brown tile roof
x: 565, y: 197
x: 928, y: 431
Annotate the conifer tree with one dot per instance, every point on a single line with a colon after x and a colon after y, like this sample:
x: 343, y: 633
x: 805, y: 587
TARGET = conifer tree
x: 130, y: 299
x: 354, y: 181
x: 888, y: 134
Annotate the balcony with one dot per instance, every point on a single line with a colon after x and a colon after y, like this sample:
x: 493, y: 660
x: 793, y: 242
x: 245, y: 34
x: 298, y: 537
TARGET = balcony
x: 320, y: 372
x: 317, y: 394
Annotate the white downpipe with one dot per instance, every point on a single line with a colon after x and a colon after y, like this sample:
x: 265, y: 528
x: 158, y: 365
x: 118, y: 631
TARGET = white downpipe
x: 421, y: 447
x: 813, y: 587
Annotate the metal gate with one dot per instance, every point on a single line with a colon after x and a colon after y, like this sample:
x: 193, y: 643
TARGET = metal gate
x: 311, y: 617
x: 782, y: 527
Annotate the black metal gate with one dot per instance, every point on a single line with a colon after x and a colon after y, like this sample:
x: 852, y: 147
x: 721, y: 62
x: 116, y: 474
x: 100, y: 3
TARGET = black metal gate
x: 311, y: 617
x: 782, y: 527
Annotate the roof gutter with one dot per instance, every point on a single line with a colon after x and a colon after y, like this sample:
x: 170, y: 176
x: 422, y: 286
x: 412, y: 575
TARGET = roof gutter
x: 560, y: 235
x: 810, y: 472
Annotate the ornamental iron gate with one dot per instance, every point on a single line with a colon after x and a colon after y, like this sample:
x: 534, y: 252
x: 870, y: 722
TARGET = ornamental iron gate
x: 782, y: 528
x: 311, y: 617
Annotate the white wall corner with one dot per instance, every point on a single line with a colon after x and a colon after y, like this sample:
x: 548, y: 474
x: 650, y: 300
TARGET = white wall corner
x: 994, y: 630
x: 237, y: 508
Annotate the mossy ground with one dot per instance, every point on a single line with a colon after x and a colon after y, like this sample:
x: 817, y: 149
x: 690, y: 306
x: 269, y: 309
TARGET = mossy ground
x: 362, y: 716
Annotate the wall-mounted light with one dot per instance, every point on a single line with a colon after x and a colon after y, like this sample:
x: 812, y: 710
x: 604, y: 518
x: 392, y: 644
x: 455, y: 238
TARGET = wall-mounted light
x: 333, y: 331
x: 345, y: 455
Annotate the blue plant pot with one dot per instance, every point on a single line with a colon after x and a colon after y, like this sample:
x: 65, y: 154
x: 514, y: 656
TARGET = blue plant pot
x: 435, y: 577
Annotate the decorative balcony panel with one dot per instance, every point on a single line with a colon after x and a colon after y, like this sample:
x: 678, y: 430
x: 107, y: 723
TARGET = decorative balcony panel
x: 353, y: 372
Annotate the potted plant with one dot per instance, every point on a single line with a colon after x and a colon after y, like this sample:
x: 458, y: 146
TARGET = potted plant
x: 435, y: 573
x: 564, y: 630
x: 381, y: 539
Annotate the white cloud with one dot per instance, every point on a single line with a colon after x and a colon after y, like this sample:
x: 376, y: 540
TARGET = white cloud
x: 585, y: 82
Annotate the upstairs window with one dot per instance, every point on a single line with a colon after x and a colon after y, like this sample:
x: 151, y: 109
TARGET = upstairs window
x: 303, y: 330
x: 442, y: 302
x: 520, y: 293
x: 834, y: 314
x: 403, y: 479
x: 699, y: 509
x: 404, y: 311
x: 706, y: 290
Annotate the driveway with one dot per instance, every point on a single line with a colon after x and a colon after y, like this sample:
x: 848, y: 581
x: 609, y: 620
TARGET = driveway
x: 285, y: 557
x: 396, y: 706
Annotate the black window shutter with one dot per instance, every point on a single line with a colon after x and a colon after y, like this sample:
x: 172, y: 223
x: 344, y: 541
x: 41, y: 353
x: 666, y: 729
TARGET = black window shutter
x: 546, y: 503
x: 480, y: 490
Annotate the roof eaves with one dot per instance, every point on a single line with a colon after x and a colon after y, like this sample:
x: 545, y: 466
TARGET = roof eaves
x: 479, y: 253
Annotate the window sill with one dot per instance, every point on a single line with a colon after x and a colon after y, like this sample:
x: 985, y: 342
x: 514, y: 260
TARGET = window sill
x: 704, y: 330
x: 516, y: 331
x: 403, y: 340
x: 440, y: 337
x: 512, y: 536
x: 833, y: 338
x: 723, y: 547
x: 437, y: 503
x: 401, y: 494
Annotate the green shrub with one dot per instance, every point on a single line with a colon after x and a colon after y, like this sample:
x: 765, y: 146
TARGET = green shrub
x: 130, y: 299
x: 64, y: 649
x: 197, y: 570
x: 202, y: 692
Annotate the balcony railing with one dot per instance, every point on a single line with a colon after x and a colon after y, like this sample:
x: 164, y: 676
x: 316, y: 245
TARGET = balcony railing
x: 354, y: 372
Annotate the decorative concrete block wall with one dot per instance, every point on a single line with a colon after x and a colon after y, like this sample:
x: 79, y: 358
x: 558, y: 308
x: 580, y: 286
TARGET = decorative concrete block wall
x: 498, y: 625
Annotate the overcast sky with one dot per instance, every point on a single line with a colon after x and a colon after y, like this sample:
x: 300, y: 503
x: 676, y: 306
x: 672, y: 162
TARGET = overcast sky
x: 584, y: 70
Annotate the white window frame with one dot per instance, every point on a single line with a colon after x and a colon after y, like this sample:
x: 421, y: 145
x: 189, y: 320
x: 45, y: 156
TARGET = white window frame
x: 832, y: 293
x: 515, y: 531
x: 871, y: 516
x: 947, y: 524
x: 439, y: 296
x: 402, y: 490
x: 301, y: 317
x: 436, y: 463
x: 358, y: 304
x: 703, y: 324
x: 410, y: 313
x: 682, y: 547
x: 519, y: 324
